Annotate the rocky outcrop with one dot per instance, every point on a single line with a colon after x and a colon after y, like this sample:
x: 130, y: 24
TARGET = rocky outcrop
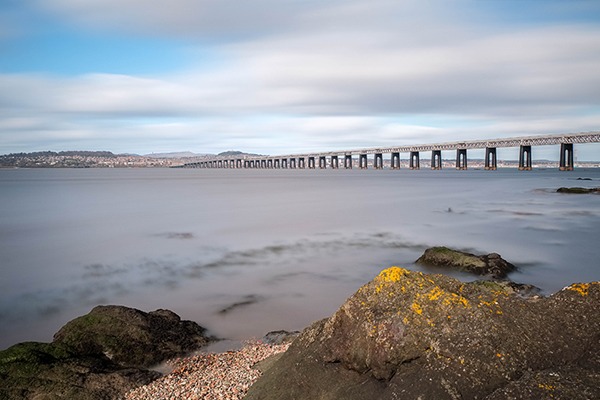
x: 131, y: 337
x: 99, y: 356
x: 492, y: 265
x: 409, y: 335
x: 50, y: 371
x: 577, y: 190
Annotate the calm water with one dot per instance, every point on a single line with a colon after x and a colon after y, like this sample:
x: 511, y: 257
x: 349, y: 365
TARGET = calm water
x: 244, y: 252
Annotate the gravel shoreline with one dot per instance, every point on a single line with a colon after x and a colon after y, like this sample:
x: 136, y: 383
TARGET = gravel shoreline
x: 210, y: 376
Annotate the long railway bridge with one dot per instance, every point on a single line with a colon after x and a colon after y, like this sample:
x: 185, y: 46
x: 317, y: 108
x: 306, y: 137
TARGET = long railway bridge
x: 344, y: 158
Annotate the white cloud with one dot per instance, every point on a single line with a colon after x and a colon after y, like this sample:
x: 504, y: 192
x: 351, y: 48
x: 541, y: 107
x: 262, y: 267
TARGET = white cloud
x: 306, y: 75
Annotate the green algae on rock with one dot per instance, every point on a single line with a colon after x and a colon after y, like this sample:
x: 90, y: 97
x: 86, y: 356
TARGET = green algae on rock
x: 577, y: 190
x: 99, y: 356
x: 492, y: 264
x: 131, y: 337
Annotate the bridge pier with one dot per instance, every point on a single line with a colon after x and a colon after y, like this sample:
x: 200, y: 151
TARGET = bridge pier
x: 378, y: 161
x: 284, y: 163
x: 322, y: 162
x: 461, y: 159
x: 524, y: 158
x: 348, y: 161
x: 491, y: 161
x: 277, y: 163
x: 395, y: 161
x: 335, y: 162
x: 566, y: 157
x: 301, y: 163
x: 415, y: 163
x: 436, y: 159
x: 292, y: 163
x: 311, y: 162
x: 362, y: 161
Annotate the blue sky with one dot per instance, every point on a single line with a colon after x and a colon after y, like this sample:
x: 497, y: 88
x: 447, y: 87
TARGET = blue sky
x: 282, y: 76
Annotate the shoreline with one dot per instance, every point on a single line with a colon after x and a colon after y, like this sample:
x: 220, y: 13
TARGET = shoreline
x: 213, y: 375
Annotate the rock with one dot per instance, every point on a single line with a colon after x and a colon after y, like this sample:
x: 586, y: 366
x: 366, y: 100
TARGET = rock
x: 53, y: 371
x: 410, y: 335
x: 577, y: 190
x: 99, y: 356
x: 280, y: 337
x: 492, y: 264
x: 131, y: 337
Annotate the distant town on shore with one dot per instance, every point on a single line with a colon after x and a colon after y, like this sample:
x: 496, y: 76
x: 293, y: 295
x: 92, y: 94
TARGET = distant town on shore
x: 107, y: 159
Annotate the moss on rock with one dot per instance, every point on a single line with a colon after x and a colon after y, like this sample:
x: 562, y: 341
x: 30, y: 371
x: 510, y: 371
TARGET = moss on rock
x: 492, y: 264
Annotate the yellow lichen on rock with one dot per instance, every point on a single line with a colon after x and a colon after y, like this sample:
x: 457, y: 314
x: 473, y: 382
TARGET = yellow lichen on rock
x: 417, y: 308
x: 581, y: 288
x: 393, y: 274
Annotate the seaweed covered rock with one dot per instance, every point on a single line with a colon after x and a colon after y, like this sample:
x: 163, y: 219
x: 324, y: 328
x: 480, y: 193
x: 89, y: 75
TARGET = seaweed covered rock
x: 131, y: 337
x: 492, y: 264
x: 99, y: 356
x: 577, y: 190
x: 49, y: 371
x: 409, y: 335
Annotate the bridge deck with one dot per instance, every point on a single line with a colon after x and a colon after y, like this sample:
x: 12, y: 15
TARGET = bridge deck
x: 582, y: 137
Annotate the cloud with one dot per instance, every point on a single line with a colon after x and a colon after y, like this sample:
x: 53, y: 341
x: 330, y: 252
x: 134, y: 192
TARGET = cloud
x: 294, y: 75
x: 219, y: 20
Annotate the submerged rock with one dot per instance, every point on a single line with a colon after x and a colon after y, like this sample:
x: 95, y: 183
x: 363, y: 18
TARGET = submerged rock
x: 577, y: 190
x: 99, y: 356
x: 492, y: 264
x: 409, y: 335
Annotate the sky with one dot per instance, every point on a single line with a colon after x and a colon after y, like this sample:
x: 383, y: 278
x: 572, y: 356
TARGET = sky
x: 293, y: 76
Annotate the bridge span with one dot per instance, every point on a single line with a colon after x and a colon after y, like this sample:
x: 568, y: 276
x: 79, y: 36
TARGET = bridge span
x: 333, y: 159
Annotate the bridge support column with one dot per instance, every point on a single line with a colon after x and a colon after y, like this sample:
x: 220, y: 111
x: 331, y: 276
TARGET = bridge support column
x: 277, y: 163
x: 284, y: 163
x: 293, y: 163
x: 378, y: 161
x: 335, y: 162
x: 525, y: 158
x: 491, y: 161
x: 415, y: 163
x: 322, y: 162
x: 566, y: 157
x: 395, y: 161
x: 301, y: 163
x: 263, y: 164
x: 461, y: 159
x: 348, y: 161
x: 436, y: 159
x: 362, y: 161
x: 311, y: 162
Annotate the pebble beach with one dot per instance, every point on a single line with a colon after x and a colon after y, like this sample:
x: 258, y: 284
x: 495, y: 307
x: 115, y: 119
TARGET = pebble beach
x: 210, y: 376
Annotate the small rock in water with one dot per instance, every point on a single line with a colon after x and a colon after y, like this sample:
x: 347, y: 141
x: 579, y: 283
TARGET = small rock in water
x: 491, y: 264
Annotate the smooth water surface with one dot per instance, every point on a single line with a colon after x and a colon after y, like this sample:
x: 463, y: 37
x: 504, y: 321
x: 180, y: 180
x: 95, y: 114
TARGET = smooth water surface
x: 243, y: 252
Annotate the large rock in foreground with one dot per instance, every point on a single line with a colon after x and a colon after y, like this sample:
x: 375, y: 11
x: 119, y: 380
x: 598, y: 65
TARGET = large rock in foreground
x: 409, y: 335
x: 492, y: 265
x: 99, y: 356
